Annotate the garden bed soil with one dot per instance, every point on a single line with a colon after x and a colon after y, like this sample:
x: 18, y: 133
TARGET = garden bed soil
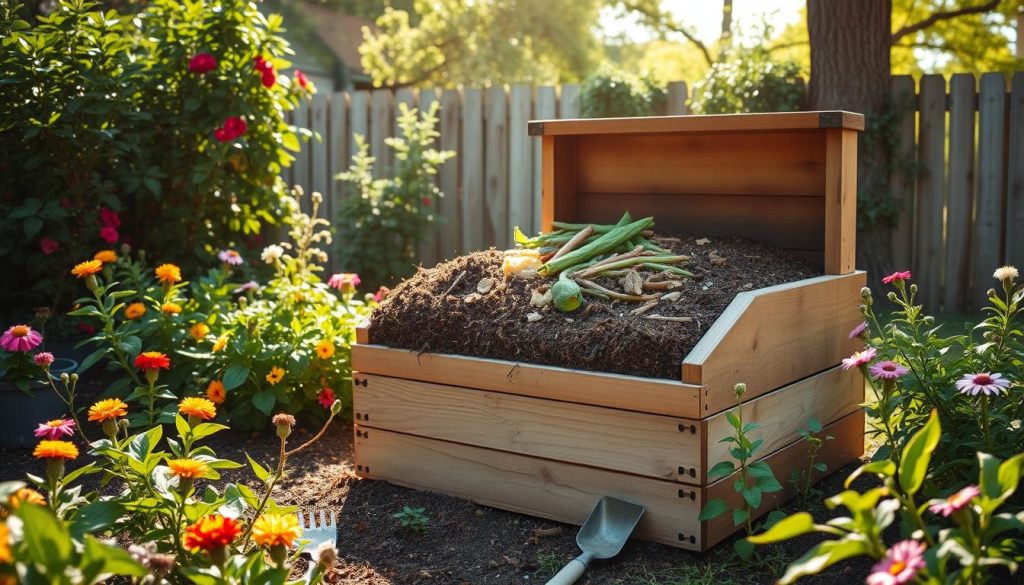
x: 439, y: 310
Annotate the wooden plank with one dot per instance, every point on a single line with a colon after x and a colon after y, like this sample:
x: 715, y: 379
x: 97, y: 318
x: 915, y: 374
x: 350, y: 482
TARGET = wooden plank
x: 497, y: 231
x: 339, y: 157
x: 427, y: 249
x: 300, y: 168
x: 539, y: 487
x: 961, y: 191
x: 840, y: 201
x: 671, y: 124
x: 1015, y: 176
x: 650, y: 395
x: 778, y: 163
x: 768, y: 337
x: 568, y: 103
x: 319, y: 173
x: 381, y: 127
x: 931, y: 189
x: 631, y: 442
x: 558, y: 184
x: 545, y: 108
x: 359, y: 117
x: 677, y: 97
x: 846, y: 447
x: 987, y: 253
x: 450, y: 240
x: 520, y: 165
x: 472, y: 155
x: 902, y: 181
x: 782, y: 414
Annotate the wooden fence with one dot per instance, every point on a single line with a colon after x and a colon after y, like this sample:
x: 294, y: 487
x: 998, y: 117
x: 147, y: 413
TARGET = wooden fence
x: 963, y: 208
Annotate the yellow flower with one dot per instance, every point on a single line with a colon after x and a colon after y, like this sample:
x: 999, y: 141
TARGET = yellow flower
x: 108, y: 409
x: 5, y: 545
x: 188, y: 468
x: 216, y: 392
x: 87, y: 268
x: 276, y: 529
x: 134, y: 311
x: 168, y: 274
x: 55, y: 450
x: 325, y: 349
x: 220, y: 344
x: 171, y: 308
x: 275, y: 375
x: 25, y: 496
x: 199, y: 331
x: 105, y: 256
x: 200, y: 408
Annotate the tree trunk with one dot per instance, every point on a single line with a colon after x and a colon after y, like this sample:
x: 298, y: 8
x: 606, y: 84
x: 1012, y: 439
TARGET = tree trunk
x: 850, y: 70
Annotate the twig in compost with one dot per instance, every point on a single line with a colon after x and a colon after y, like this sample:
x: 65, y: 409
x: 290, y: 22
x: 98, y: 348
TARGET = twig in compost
x: 666, y: 267
x: 644, y: 308
x: 571, y: 245
x: 614, y: 258
x: 639, y: 259
x: 454, y: 284
x: 657, y: 317
x: 661, y: 285
x: 616, y: 295
x: 593, y: 293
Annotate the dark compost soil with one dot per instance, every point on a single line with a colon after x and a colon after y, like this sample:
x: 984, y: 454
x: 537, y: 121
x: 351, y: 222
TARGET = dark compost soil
x: 439, y: 310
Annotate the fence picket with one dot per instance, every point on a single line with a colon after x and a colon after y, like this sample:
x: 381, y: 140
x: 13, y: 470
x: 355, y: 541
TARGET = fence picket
x: 496, y: 167
x: 545, y: 109
x: 677, y: 98
x: 381, y: 127
x: 931, y: 153
x: 520, y: 165
x: 1015, y: 179
x: 428, y: 248
x: 901, y: 182
x: 338, y: 158
x: 300, y: 168
x: 569, y: 102
x: 472, y: 169
x: 961, y: 189
x: 319, y: 172
x: 988, y: 207
x: 450, y: 242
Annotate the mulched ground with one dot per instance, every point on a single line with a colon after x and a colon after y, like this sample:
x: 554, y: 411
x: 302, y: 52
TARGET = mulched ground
x: 439, y: 310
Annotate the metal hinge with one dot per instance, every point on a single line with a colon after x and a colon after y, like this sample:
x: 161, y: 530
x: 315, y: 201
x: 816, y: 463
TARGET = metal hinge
x: 361, y: 416
x: 685, y: 494
x: 684, y: 538
x: 360, y: 382
x: 682, y: 470
x: 684, y: 427
x: 362, y: 434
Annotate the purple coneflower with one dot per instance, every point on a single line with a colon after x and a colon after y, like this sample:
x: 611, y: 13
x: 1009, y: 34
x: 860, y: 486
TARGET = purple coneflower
x: 859, y: 358
x: 983, y: 383
x: 55, y: 429
x: 20, y: 338
x: 887, y: 370
x: 859, y: 329
x: 955, y: 501
x: 251, y: 285
x: 900, y: 565
x: 230, y: 257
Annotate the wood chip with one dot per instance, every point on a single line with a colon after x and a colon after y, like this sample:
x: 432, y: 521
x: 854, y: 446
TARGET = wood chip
x: 674, y: 319
x: 471, y: 298
x: 533, y: 317
x: 650, y: 284
x: 703, y: 242
x: 632, y: 283
x: 644, y: 308
x: 748, y: 286
x: 716, y: 259
x: 485, y: 285
x: 458, y: 279
x: 672, y: 296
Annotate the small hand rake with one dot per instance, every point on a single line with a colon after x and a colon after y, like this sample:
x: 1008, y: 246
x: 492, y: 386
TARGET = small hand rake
x: 326, y: 532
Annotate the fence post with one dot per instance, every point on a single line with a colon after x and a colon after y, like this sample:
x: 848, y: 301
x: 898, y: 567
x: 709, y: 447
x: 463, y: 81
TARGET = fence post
x: 677, y: 94
x: 450, y: 241
x: 381, y: 127
x: 318, y: 180
x: 496, y: 168
x: 961, y: 190
x: 932, y: 154
x: 1015, y: 178
x: 520, y: 166
x: 569, y: 102
x: 472, y: 169
x: 546, y: 109
x: 987, y: 248
x: 901, y: 182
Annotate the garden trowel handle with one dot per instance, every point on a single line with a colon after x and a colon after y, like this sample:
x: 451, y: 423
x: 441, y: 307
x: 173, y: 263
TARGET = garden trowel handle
x: 572, y: 571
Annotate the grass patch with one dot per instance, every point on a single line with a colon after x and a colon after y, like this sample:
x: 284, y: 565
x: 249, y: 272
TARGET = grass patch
x: 721, y: 567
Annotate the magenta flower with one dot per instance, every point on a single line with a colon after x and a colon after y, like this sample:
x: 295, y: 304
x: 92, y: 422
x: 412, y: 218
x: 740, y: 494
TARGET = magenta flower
x: 972, y: 384
x: 954, y: 502
x: 48, y: 245
x: 859, y: 358
x: 859, y: 329
x: 110, y: 217
x: 896, y: 277
x: 381, y: 294
x: 251, y: 285
x: 20, y: 338
x: 346, y: 282
x: 202, y: 63
x: 108, y: 234
x: 326, y: 397
x: 887, y: 370
x: 55, y: 429
x: 230, y: 257
x: 43, y: 359
x: 900, y: 565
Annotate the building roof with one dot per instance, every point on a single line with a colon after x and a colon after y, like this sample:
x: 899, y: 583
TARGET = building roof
x: 342, y: 33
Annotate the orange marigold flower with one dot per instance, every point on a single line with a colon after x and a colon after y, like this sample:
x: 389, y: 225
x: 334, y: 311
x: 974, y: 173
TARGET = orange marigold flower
x: 25, y: 496
x: 55, y: 450
x: 216, y: 392
x: 108, y: 409
x: 199, y: 331
x: 87, y: 268
x: 275, y: 375
x: 188, y: 468
x: 152, y: 360
x: 105, y: 256
x: 168, y: 273
x: 5, y: 545
x: 325, y: 349
x: 134, y: 311
x: 220, y: 344
x: 211, y: 532
x: 198, y: 407
x: 170, y: 308
x: 276, y: 529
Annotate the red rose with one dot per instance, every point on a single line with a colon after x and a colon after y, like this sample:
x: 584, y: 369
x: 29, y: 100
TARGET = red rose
x: 235, y: 127
x: 262, y: 64
x: 109, y: 217
x: 48, y: 245
x: 426, y: 201
x: 202, y: 63
x: 269, y: 78
x: 221, y: 135
x: 108, y: 234
x: 301, y: 79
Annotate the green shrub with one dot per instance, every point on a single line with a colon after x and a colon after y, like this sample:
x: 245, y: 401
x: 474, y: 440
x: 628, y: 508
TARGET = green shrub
x: 156, y: 129
x: 611, y: 92
x: 751, y: 81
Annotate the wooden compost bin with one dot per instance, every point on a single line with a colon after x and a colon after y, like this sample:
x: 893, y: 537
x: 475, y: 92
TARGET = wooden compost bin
x: 550, y: 441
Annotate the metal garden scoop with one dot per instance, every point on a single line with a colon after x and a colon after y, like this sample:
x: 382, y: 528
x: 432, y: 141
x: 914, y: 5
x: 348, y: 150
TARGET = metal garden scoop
x: 601, y: 536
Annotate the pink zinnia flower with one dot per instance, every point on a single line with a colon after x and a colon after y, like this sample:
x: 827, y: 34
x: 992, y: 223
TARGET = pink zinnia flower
x: 896, y: 277
x: 110, y: 217
x: 954, y: 502
x: 887, y: 370
x: 346, y: 282
x: 900, y: 565
x: 202, y: 63
x: 20, y: 338
x: 48, y: 245
x: 55, y: 429
x: 859, y: 329
x: 381, y: 294
x: 326, y: 397
x: 974, y: 384
x: 43, y: 359
x: 859, y: 358
x: 108, y: 234
x: 230, y: 257
x: 251, y: 285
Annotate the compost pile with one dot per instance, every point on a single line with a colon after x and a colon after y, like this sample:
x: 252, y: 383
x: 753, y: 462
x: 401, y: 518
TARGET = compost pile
x: 468, y: 306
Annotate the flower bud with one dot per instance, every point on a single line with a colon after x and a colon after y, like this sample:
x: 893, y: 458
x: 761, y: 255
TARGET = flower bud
x: 122, y: 424
x: 913, y: 288
x: 740, y: 389
x: 865, y: 295
x: 892, y: 296
x: 65, y: 378
x: 279, y: 554
x: 328, y: 556
x: 991, y: 293
x: 336, y: 408
x: 110, y: 427
x: 316, y: 197
x: 91, y: 283
x: 284, y: 423
x: 74, y: 377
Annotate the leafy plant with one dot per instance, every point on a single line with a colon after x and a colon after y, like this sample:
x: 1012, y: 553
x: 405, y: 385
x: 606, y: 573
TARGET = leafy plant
x: 749, y: 81
x: 754, y: 479
x: 413, y: 519
x: 960, y: 541
x: 610, y: 92
x: 802, y: 479
x: 381, y: 225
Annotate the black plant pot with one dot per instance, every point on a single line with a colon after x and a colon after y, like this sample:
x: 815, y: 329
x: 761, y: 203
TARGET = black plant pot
x: 21, y: 412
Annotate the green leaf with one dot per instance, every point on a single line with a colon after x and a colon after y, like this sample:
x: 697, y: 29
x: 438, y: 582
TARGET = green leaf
x: 791, y: 527
x: 769, y: 484
x: 182, y: 426
x: 917, y: 454
x: 885, y: 468
x: 262, y: 473
x: 752, y: 496
x: 822, y: 556
x: 235, y: 376
x: 48, y: 543
x: 92, y: 358
x: 743, y: 548
x: 739, y: 516
x: 713, y: 509
x: 733, y: 420
x: 115, y: 560
x: 721, y: 469
x: 234, y: 503
x: 759, y: 469
x: 94, y: 517
x: 203, y: 430
x: 264, y: 401
x: 31, y: 226
x: 142, y: 445
x: 291, y: 142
